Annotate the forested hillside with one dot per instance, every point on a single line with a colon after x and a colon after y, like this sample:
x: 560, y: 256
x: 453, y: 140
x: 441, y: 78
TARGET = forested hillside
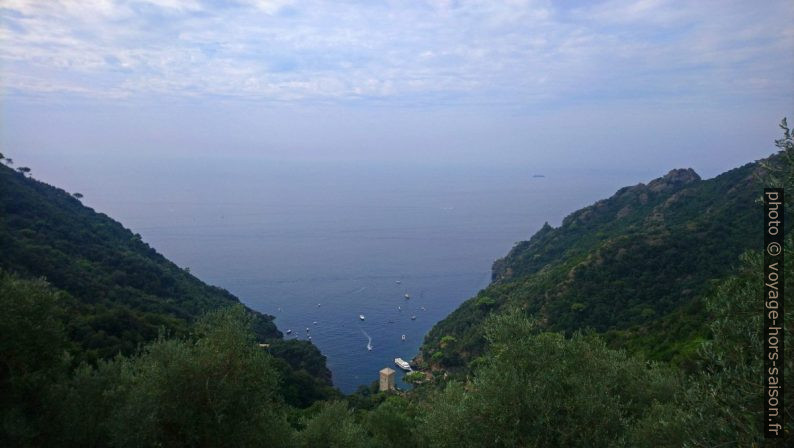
x: 516, y: 366
x: 624, y: 266
x: 124, y: 290
x: 116, y: 292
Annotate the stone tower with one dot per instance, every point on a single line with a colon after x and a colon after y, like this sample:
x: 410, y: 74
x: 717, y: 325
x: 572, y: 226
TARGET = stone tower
x: 386, y: 379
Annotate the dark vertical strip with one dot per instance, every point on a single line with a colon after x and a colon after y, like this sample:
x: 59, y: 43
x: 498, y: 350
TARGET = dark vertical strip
x: 773, y: 313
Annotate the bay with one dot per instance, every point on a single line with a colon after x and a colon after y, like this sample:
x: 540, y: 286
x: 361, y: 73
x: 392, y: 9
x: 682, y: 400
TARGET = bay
x: 316, y: 244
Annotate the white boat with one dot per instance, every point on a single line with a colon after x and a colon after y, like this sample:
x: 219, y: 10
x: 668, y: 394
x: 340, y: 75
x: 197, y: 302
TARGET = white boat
x: 361, y: 316
x: 413, y: 317
x: 402, y: 364
x: 407, y: 296
x: 289, y: 331
x: 398, y: 282
x: 403, y: 337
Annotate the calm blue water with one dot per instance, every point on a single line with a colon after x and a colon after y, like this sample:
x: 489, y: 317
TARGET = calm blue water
x: 287, y: 237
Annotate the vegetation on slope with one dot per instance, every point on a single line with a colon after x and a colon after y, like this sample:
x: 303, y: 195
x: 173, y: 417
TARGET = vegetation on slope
x: 533, y: 385
x: 117, y: 292
x: 124, y: 290
x: 532, y: 388
x: 632, y: 266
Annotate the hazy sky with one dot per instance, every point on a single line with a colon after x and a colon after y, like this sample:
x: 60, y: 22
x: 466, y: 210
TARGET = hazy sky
x: 647, y: 85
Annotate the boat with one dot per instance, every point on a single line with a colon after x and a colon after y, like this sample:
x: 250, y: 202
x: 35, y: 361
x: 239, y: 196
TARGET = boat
x: 397, y: 281
x: 407, y: 296
x: 401, y: 363
x: 422, y: 308
x: 361, y: 316
x: 315, y: 322
x: 399, y: 308
x: 413, y: 317
x: 289, y: 331
x: 403, y: 337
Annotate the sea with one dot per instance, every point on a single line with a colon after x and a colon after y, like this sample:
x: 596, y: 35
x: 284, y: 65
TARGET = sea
x: 320, y: 244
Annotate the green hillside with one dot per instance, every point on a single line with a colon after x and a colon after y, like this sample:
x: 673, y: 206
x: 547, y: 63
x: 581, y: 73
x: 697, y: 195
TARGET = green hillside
x: 567, y: 347
x: 117, y: 291
x: 631, y: 265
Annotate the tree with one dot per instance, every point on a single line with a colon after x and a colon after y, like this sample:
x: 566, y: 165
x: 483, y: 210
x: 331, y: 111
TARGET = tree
x: 9, y: 161
x: 394, y: 423
x: 543, y: 389
x: 723, y: 405
x: 86, y: 401
x: 24, y: 170
x: 32, y: 356
x: 414, y: 377
x: 333, y: 426
x: 725, y: 398
x: 219, y: 390
x: 779, y: 171
x: 78, y: 195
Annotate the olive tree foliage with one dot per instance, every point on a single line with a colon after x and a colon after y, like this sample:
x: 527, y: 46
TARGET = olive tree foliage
x: 779, y: 170
x: 216, y: 389
x: 393, y: 424
x: 87, y: 401
x: 33, y: 348
x: 732, y: 359
x: 332, y: 426
x: 546, y: 390
x: 723, y: 404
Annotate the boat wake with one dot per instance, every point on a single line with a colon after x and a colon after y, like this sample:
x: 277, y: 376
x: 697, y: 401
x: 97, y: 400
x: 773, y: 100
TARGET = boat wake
x: 369, y: 339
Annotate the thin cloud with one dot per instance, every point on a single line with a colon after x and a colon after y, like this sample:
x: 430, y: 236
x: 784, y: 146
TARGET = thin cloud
x: 515, y: 52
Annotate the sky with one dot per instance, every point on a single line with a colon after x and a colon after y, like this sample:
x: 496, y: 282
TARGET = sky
x: 603, y: 85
